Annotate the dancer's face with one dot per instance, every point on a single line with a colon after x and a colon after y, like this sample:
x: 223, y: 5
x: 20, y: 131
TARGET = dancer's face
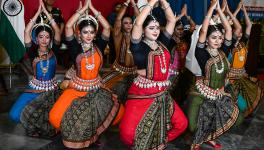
x: 215, y: 39
x: 127, y: 24
x: 43, y: 39
x: 178, y: 31
x: 88, y: 34
x: 152, y: 30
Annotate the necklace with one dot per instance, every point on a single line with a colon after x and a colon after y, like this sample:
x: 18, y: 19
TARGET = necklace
x: 213, y: 53
x: 85, y: 48
x: 160, y: 52
x: 240, y: 53
x: 46, y: 68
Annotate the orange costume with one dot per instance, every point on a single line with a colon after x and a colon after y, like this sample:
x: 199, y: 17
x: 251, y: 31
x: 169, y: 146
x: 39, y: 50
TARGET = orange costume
x: 86, y: 108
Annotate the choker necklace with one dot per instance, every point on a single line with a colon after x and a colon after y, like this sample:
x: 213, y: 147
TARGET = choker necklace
x: 213, y: 53
x: 85, y: 48
x: 151, y: 44
x: 160, y: 52
x: 43, y: 69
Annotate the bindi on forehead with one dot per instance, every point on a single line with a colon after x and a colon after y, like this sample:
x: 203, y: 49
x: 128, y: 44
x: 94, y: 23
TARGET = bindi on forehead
x: 88, y: 29
x: 217, y: 33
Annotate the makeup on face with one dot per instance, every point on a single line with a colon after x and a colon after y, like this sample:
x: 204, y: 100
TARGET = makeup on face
x: 88, y: 34
x: 152, y: 31
x: 43, y: 38
x: 215, y: 40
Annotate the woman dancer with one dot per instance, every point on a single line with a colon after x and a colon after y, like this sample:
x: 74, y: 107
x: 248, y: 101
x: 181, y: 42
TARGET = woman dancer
x: 180, y: 77
x: 212, y: 110
x: 248, y: 91
x: 85, y: 109
x: 123, y: 69
x: 32, y: 107
x: 151, y: 116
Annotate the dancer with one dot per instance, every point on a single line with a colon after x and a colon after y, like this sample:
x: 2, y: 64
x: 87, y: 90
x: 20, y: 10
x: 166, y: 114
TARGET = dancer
x: 212, y: 110
x: 123, y: 69
x: 32, y: 107
x: 249, y: 94
x: 151, y: 116
x: 85, y: 109
x: 180, y: 77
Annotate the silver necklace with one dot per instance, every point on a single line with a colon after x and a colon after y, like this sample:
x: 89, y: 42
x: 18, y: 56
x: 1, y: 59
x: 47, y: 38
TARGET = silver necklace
x: 240, y: 53
x: 85, y: 48
x: 213, y: 53
x: 163, y: 65
x: 45, y: 69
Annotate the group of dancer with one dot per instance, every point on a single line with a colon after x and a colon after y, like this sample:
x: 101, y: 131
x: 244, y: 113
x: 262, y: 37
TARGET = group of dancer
x: 139, y: 92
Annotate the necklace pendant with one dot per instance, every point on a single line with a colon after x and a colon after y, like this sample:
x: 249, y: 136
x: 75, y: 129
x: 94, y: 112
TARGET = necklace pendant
x: 241, y: 58
x: 163, y: 70
x: 89, y: 66
x: 220, y: 71
x: 44, y: 70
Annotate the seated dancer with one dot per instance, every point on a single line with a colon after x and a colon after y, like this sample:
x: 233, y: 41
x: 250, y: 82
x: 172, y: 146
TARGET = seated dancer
x: 151, y: 116
x: 85, y: 109
x: 180, y: 43
x: 121, y: 75
x: 211, y: 110
x: 249, y: 94
x: 32, y: 107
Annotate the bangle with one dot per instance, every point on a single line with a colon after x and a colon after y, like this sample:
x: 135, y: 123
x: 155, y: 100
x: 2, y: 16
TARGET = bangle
x: 125, y: 4
x: 206, y: 17
x: 134, y: 5
x: 168, y: 5
x: 151, y: 7
x: 97, y: 15
x: 32, y: 21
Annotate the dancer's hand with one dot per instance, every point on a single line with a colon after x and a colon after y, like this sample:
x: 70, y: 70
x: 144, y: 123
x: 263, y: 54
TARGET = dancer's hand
x: 218, y: 7
x: 213, y: 4
x: 184, y: 10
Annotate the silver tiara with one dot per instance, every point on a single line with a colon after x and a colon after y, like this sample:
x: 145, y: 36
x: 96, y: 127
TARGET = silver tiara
x: 88, y: 18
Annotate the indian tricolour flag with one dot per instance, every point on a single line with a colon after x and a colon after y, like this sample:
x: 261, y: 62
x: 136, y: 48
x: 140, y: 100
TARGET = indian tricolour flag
x: 12, y: 27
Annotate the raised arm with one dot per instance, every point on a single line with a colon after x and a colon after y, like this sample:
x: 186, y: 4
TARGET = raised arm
x: 183, y: 12
x: 118, y: 21
x: 27, y: 35
x: 237, y: 9
x: 169, y: 16
x: 238, y: 28
x: 223, y: 7
x: 135, y: 8
x: 106, y: 26
x: 227, y: 27
x: 69, y: 25
x: 247, y: 21
x: 55, y: 27
x: 138, y: 26
x: 189, y: 18
x: 203, y: 31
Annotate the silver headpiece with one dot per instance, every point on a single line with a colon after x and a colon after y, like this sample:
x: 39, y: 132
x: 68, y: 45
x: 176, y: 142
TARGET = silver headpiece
x: 88, y: 18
